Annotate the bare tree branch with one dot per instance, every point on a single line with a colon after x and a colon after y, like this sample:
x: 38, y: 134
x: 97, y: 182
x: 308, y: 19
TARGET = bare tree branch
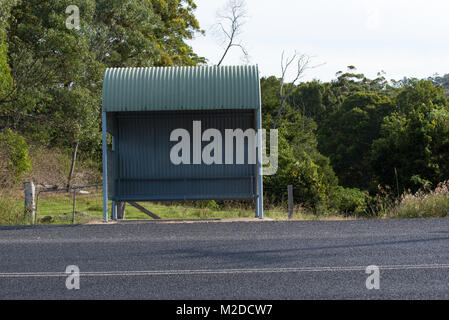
x: 302, y: 64
x: 231, y: 21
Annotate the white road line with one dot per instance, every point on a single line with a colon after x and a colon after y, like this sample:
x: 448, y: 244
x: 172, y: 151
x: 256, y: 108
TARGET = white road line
x: 218, y: 271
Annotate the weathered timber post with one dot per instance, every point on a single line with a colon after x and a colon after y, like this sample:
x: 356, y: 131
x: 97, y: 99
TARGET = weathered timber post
x: 290, y: 201
x: 30, y: 204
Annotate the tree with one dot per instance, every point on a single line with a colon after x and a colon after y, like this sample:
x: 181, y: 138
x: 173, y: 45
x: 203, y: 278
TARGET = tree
x: 231, y: 20
x: 51, y: 66
x: 6, y: 84
x: 306, y: 169
x: 5, y: 75
x: 315, y: 100
x: 346, y: 136
x: 58, y: 72
x: 144, y: 33
x: 350, y: 82
x: 414, y: 140
x: 300, y: 163
x: 414, y: 93
x: 441, y: 81
x: 177, y: 24
x: 302, y: 64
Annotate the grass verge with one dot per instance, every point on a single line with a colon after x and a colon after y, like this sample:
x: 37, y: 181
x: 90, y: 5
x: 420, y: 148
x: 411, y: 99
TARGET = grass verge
x: 58, y: 209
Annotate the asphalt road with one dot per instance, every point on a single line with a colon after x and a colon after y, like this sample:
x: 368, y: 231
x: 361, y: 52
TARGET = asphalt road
x: 241, y: 260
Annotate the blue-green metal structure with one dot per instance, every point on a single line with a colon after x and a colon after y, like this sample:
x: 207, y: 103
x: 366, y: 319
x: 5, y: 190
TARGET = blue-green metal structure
x: 142, y: 106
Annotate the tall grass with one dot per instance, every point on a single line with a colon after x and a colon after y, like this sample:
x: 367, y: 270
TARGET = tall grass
x: 433, y: 204
x: 12, y: 209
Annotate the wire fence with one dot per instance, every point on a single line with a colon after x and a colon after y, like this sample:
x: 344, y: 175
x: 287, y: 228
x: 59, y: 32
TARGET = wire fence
x: 78, y: 204
x: 84, y: 204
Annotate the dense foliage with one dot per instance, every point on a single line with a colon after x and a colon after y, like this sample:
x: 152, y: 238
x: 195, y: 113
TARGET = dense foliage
x: 5, y: 72
x: 338, y: 140
x: 55, y: 98
x: 373, y: 132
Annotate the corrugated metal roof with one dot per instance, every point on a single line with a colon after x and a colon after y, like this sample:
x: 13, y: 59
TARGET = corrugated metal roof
x: 181, y: 88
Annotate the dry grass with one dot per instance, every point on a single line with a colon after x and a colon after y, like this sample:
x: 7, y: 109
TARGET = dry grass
x: 12, y: 208
x: 433, y: 204
x: 52, y: 166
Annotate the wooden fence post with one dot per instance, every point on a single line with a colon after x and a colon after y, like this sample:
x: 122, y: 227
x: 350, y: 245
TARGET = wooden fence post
x: 30, y: 205
x: 290, y: 201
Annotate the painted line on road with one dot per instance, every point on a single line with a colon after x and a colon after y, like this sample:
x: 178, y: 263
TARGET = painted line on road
x: 218, y: 271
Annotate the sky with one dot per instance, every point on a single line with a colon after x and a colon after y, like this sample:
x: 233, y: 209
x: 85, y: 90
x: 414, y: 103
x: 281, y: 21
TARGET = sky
x: 400, y: 37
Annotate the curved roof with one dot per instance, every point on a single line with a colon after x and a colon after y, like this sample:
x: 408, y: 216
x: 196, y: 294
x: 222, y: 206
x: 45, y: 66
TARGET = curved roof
x: 181, y: 88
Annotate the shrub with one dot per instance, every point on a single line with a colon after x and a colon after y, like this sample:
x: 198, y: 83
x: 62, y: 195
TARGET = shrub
x: 349, y: 201
x: 425, y: 204
x: 14, y: 160
x: 383, y: 203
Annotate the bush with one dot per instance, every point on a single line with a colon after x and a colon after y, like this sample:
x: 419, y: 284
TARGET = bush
x: 209, y: 204
x: 424, y: 204
x: 308, y: 172
x: 349, y: 201
x: 14, y: 160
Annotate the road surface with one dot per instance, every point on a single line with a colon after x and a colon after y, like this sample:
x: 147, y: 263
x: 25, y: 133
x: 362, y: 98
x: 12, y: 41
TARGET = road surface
x: 236, y: 260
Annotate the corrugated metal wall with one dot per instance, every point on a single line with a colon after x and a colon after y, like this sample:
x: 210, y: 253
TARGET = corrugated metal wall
x: 144, y: 172
x: 181, y: 88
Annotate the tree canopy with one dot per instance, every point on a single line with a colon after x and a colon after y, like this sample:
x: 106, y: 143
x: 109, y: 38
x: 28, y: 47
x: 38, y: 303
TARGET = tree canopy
x: 56, y: 94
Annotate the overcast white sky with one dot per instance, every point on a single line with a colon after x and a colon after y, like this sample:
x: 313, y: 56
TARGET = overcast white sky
x: 401, y: 37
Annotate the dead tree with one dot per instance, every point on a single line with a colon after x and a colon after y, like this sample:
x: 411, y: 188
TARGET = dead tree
x: 231, y: 21
x: 302, y: 64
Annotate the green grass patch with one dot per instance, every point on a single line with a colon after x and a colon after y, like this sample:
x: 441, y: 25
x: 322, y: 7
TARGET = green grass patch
x: 57, y: 208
